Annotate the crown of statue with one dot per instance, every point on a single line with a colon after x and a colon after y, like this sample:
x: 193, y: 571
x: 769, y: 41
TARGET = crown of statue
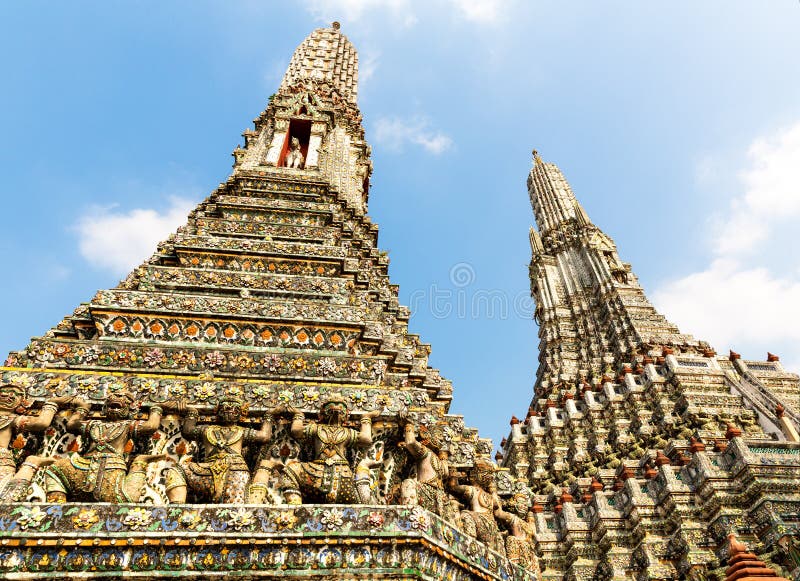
x: 432, y: 436
x: 14, y: 388
x: 334, y: 400
x: 122, y: 395
x: 483, y: 471
x: 232, y: 398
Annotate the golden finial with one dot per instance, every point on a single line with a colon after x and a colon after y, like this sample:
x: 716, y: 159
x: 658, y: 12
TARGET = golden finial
x: 536, y: 158
x: 335, y: 25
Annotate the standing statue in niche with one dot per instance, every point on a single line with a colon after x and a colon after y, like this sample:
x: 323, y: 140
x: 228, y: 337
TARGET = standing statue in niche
x: 102, y: 473
x: 483, y: 501
x: 14, y: 424
x: 432, y: 471
x: 294, y: 158
x: 328, y: 477
x: 224, y: 476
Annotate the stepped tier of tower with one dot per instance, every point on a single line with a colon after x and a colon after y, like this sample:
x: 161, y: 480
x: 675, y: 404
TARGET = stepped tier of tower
x: 643, y: 448
x: 269, y: 279
x: 273, y: 283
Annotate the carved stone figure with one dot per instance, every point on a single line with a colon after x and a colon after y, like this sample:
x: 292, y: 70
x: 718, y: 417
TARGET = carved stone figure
x: 12, y: 423
x: 427, y: 488
x: 478, y: 521
x: 327, y: 478
x: 294, y: 158
x: 519, y: 542
x: 102, y: 473
x: 789, y: 545
x: 224, y: 476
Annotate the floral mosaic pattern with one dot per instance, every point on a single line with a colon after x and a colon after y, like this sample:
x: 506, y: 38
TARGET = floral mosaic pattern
x: 224, y: 333
x: 274, y: 202
x: 220, y: 226
x: 204, y: 391
x: 206, y: 537
x: 265, y: 307
x: 253, y: 363
x: 189, y: 277
x: 260, y: 264
x: 283, y: 248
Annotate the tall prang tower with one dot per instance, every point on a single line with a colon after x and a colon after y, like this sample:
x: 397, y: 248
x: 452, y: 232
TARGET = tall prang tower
x: 272, y: 301
x: 644, y: 449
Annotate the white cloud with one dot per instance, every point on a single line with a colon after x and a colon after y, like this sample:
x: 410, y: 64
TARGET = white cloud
x: 404, y: 12
x: 732, y: 304
x: 367, y: 65
x: 354, y: 10
x: 772, y: 194
x: 119, y: 241
x: 737, y: 301
x: 484, y: 11
x: 394, y: 134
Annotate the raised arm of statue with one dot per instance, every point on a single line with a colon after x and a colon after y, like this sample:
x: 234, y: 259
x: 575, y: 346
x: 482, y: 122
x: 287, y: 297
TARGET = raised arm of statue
x: 455, y: 487
x: 189, y: 424
x: 75, y: 421
x: 297, y: 429
x: 152, y: 423
x: 413, y: 446
x: 41, y: 422
x: 365, y: 434
x: 265, y: 433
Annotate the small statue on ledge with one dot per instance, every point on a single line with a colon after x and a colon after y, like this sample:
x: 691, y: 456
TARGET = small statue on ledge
x: 102, y: 473
x: 294, y: 158
x: 14, y: 424
x: 224, y: 476
x: 432, y: 471
x: 328, y: 478
x: 519, y: 542
x: 479, y: 521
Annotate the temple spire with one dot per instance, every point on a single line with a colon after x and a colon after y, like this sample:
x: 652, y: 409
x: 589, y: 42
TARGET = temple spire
x: 325, y: 55
x: 553, y: 201
x: 312, y: 123
x: 573, y: 264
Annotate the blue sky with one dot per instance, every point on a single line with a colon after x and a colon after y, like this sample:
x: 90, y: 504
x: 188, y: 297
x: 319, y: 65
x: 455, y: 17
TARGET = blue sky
x: 677, y: 124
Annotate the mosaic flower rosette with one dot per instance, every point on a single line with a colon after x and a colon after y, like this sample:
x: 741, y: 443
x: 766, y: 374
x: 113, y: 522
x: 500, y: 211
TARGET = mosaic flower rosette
x: 176, y: 538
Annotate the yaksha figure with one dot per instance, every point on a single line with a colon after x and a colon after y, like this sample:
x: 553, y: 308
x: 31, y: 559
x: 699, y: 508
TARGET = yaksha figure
x: 102, y: 473
x: 432, y: 471
x: 295, y: 158
x: 519, y: 542
x: 327, y: 478
x: 13, y: 423
x: 224, y: 476
x: 483, y: 501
